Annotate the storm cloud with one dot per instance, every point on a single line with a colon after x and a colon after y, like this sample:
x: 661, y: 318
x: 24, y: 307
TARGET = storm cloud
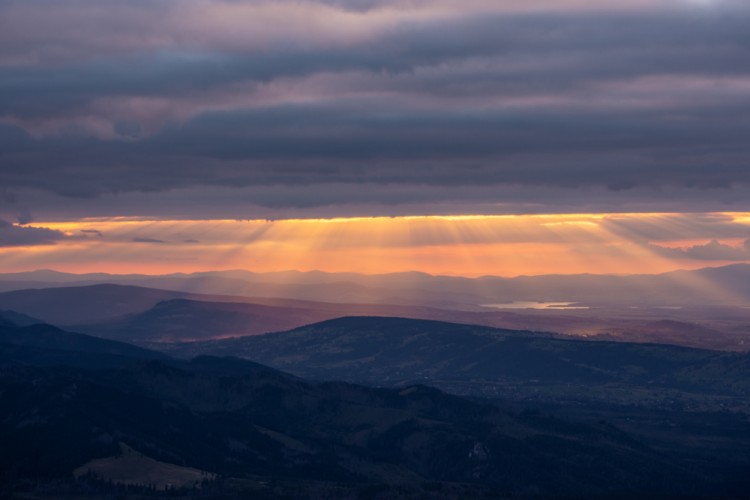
x: 360, y: 106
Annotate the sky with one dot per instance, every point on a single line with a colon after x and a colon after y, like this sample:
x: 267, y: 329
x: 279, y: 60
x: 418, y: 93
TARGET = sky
x: 155, y: 135
x: 500, y: 245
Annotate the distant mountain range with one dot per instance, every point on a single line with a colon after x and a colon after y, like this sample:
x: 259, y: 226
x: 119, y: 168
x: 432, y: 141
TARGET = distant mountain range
x: 147, y: 315
x: 248, y: 428
x: 728, y: 285
x: 706, y: 308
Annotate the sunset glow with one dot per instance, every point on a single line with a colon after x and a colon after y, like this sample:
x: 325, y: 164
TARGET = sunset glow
x: 460, y: 245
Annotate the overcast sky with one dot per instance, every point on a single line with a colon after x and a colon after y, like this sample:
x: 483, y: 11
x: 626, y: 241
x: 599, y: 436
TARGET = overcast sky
x: 247, y: 109
x: 195, y: 134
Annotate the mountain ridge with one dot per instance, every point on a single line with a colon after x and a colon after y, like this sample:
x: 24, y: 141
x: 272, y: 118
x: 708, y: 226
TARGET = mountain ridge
x: 468, y: 359
x: 228, y: 417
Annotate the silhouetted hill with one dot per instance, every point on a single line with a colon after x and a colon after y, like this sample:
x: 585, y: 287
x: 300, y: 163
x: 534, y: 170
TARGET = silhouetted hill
x: 72, y: 305
x: 134, y: 313
x: 17, y: 319
x: 188, y: 320
x: 479, y: 360
x: 52, y: 344
x: 704, y: 308
x: 249, y: 422
x: 39, y: 356
x: 185, y: 320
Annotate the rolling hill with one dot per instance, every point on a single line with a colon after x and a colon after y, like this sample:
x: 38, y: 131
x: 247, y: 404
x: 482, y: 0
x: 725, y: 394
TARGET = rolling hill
x: 72, y: 403
x: 46, y: 345
x: 704, y: 309
x: 475, y: 360
x: 241, y: 425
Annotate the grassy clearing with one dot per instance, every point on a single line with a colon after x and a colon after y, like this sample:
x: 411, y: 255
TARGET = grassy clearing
x: 133, y: 468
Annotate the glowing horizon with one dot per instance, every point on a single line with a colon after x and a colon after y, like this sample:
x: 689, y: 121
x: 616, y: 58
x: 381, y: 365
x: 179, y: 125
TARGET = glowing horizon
x: 461, y: 245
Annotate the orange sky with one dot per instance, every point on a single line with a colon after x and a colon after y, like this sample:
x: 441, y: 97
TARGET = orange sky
x: 465, y: 245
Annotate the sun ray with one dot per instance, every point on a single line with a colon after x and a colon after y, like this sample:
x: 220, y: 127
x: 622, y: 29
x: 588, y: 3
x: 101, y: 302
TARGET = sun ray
x: 477, y: 245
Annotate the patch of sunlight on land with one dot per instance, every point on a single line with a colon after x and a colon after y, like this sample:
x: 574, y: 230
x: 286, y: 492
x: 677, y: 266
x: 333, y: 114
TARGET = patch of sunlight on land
x: 133, y: 468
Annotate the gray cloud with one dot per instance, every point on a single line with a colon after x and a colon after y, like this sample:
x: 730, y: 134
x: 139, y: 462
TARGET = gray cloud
x: 147, y: 240
x: 637, y: 102
x: 533, y: 54
x: 323, y: 200
x: 676, y: 227
x: 12, y: 235
x: 713, y: 250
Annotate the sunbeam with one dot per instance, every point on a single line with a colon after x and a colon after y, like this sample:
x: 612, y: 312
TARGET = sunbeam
x: 462, y: 245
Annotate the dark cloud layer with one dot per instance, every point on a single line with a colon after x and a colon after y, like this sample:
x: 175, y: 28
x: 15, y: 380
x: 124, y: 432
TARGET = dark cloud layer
x: 713, y: 250
x: 147, y: 240
x: 639, y: 100
x: 12, y: 235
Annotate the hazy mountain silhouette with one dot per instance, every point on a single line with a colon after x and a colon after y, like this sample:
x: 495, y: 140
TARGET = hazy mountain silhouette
x: 91, y: 303
x: 144, y: 315
x: 678, y: 287
x: 188, y: 320
x: 704, y: 308
x: 185, y: 320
